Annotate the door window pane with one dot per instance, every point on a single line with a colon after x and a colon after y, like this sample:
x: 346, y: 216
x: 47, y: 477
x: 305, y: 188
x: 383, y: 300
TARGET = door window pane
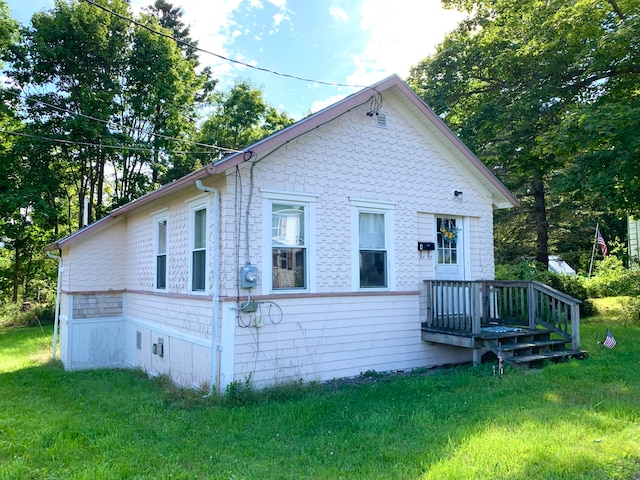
x: 447, y: 239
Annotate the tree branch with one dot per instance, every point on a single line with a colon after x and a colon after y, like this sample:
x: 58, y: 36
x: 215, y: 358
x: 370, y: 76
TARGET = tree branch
x: 616, y: 9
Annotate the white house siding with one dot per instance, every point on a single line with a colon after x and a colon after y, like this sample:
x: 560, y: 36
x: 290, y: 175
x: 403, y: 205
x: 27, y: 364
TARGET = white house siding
x: 329, y: 337
x: 352, y: 158
x: 91, y: 323
x: 322, y: 337
x: 328, y: 332
x: 99, y: 263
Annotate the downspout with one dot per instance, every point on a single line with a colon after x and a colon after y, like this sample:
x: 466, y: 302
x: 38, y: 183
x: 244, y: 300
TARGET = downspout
x: 216, y: 283
x: 57, y: 311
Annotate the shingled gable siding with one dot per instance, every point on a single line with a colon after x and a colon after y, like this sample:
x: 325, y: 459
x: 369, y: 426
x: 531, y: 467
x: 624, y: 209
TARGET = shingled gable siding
x: 334, y: 333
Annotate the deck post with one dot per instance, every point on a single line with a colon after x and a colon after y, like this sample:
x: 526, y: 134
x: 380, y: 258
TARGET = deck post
x: 575, y: 326
x: 476, y: 308
x: 429, y: 303
x: 477, y: 302
x: 531, y: 301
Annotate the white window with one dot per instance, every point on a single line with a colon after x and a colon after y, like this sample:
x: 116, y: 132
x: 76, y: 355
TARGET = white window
x: 199, y: 248
x: 373, y: 239
x: 372, y: 250
x: 288, y: 256
x: 161, y: 253
x: 288, y: 247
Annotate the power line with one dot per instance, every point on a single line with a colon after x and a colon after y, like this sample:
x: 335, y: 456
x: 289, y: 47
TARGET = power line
x: 99, y: 145
x: 217, y: 55
x: 108, y: 122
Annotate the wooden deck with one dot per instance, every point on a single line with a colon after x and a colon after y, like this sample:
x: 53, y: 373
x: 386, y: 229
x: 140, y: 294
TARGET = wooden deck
x: 523, y: 322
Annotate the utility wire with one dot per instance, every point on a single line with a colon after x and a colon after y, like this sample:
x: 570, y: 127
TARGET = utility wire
x: 222, y: 57
x: 108, y: 122
x: 100, y: 145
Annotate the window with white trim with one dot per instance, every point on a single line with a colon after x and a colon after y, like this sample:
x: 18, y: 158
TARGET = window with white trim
x: 161, y: 253
x: 373, y: 244
x: 372, y: 250
x: 288, y: 242
x: 199, y: 249
x: 288, y: 246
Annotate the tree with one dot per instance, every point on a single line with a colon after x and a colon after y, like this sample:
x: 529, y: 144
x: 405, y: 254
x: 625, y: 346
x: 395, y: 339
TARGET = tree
x: 513, y: 73
x: 241, y: 117
x: 120, y: 96
x: 104, y: 104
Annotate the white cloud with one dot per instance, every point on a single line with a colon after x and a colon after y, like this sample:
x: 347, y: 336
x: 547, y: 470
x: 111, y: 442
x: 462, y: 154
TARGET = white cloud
x: 399, y: 37
x: 338, y: 13
x: 281, y: 4
x: 320, y: 104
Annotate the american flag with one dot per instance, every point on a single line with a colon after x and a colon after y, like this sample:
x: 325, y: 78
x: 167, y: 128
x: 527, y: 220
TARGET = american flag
x: 609, y: 342
x: 603, y: 244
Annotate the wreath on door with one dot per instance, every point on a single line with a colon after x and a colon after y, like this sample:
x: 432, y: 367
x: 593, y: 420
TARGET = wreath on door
x: 449, y: 230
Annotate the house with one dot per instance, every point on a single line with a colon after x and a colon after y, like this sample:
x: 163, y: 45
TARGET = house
x: 304, y: 254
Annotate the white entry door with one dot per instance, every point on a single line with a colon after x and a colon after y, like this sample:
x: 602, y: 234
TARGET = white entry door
x: 450, y: 249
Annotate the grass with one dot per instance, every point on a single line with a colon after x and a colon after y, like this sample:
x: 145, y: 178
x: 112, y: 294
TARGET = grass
x: 576, y: 420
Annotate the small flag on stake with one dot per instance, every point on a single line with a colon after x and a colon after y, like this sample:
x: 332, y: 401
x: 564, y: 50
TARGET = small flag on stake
x: 609, y: 342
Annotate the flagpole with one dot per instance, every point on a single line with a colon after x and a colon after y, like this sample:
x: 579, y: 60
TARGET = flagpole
x: 593, y: 250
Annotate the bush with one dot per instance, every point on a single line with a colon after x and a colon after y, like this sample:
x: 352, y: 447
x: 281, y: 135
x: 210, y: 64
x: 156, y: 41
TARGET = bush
x: 613, y: 279
x: 12, y: 315
x: 630, y: 311
x: 572, y: 285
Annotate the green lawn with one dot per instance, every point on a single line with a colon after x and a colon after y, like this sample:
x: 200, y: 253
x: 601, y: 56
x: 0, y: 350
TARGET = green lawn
x: 575, y: 420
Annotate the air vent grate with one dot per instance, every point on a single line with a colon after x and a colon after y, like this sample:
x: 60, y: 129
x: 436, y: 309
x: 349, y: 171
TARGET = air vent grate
x: 381, y: 120
x: 139, y: 340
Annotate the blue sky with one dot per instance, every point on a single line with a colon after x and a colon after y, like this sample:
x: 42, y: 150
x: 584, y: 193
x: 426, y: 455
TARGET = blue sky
x: 354, y: 42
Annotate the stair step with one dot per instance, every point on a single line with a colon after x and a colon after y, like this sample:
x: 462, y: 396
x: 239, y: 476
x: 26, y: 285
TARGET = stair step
x: 533, y: 344
x: 546, y: 356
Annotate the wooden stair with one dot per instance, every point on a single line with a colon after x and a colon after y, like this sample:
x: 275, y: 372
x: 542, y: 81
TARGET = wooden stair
x: 531, y: 348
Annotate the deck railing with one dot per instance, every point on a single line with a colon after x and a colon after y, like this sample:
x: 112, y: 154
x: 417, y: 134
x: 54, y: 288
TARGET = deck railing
x: 468, y: 306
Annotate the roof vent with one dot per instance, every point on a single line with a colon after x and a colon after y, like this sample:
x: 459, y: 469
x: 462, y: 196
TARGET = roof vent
x: 381, y: 120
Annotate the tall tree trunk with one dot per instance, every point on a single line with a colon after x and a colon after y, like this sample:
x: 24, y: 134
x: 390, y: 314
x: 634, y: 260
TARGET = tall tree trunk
x: 542, y: 224
x: 100, y: 185
x: 16, y: 275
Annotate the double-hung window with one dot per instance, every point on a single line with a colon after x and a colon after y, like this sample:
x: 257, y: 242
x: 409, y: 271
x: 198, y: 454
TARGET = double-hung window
x: 372, y: 250
x: 161, y: 253
x: 199, y: 248
x: 373, y: 245
x: 288, y: 254
x: 288, y: 246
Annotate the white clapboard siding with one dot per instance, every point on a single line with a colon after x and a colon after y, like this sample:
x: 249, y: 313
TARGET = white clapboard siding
x: 348, y: 335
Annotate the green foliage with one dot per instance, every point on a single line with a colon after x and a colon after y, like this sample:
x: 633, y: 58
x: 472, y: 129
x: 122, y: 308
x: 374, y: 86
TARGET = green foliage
x: 630, y: 314
x: 241, y: 117
x: 572, y: 285
x: 612, y: 278
x: 28, y: 315
x: 241, y: 393
x: 546, y: 93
